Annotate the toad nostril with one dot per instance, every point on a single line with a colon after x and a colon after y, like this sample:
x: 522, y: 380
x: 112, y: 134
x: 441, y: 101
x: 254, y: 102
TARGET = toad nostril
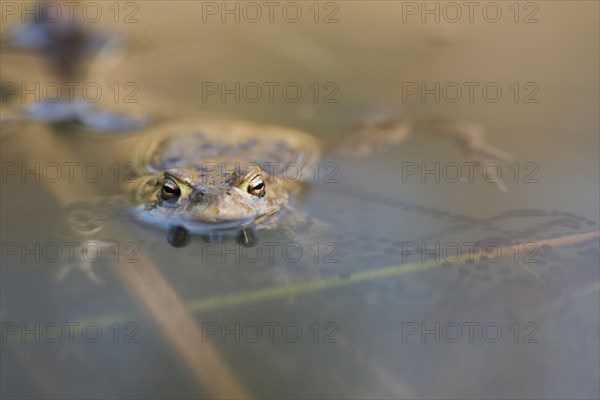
x: 198, y: 195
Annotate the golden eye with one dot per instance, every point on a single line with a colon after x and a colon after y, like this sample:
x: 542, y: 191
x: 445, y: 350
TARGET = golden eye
x: 170, y: 190
x: 256, y: 186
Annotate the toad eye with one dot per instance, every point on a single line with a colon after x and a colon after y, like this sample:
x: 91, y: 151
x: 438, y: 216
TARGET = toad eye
x: 256, y: 186
x: 170, y: 190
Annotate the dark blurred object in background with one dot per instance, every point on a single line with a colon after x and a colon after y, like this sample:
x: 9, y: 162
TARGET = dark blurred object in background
x: 67, y: 46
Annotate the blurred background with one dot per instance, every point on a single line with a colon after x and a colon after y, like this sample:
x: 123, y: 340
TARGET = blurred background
x: 379, y: 323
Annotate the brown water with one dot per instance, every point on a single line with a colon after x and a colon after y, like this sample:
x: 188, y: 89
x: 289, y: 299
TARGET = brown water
x: 379, y: 315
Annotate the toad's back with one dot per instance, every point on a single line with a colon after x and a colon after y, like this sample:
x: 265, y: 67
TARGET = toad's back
x: 196, y: 144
